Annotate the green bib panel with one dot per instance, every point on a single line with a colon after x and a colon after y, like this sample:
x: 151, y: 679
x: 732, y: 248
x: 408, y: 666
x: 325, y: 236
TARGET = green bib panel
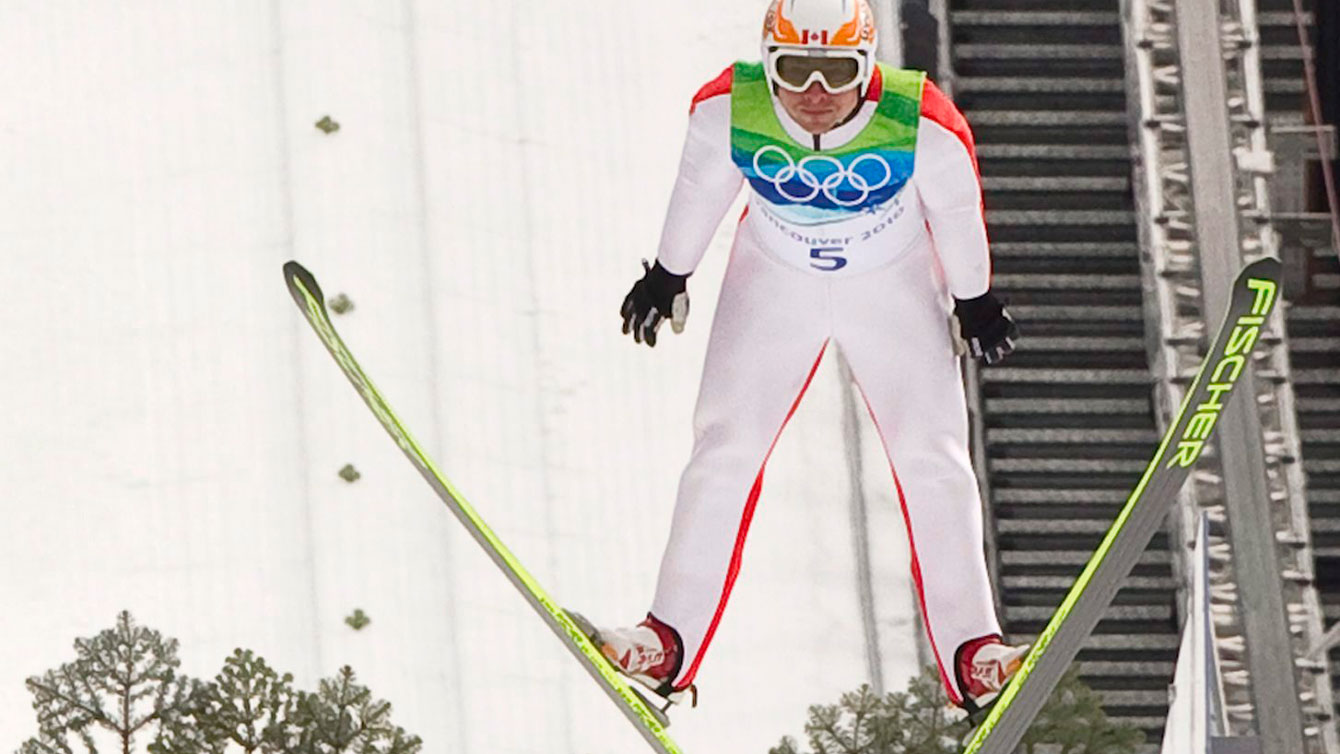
x: 808, y: 186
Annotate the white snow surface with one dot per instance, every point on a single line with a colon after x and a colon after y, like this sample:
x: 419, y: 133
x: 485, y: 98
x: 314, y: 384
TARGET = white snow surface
x: 173, y: 431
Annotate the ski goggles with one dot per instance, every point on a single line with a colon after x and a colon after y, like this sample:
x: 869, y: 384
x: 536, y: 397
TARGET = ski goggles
x: 836, y: 71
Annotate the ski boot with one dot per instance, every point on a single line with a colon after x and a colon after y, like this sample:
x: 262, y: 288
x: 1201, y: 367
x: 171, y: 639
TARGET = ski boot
x: 984, y: 666
x: 648, y: 653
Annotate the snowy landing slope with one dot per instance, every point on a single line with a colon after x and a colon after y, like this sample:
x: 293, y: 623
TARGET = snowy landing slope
x: 174, y: 433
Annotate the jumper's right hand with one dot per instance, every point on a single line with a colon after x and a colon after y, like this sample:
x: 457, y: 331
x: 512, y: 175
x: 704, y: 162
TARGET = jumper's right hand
x: 658, y: 296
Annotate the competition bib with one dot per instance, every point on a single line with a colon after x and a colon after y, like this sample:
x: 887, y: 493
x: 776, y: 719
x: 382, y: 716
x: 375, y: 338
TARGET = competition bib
x: 837, y: 210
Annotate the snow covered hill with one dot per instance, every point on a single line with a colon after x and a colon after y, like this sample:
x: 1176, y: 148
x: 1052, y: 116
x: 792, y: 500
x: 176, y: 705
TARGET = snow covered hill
x: 173, y: 432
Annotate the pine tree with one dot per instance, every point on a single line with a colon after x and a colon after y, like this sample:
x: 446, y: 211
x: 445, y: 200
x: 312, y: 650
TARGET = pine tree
x: 123, y: 685
x: 343, y: 717
x: 919, y: 721
x: 1074, y: 721
x: 915, y: 721
x: 248, y: 704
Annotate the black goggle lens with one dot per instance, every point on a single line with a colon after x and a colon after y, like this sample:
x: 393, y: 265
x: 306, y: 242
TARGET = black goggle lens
x: 797, y: 69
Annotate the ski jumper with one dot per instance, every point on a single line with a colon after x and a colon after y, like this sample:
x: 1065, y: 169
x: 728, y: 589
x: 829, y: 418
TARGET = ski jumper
x: 855, y: 238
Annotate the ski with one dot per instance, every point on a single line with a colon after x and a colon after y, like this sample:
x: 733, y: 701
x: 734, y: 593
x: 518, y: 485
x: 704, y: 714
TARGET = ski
x: 307, y: 295
x: 1254, y: 295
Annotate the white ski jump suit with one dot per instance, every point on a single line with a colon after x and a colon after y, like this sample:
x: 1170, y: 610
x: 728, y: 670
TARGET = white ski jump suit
x: 887, y: 306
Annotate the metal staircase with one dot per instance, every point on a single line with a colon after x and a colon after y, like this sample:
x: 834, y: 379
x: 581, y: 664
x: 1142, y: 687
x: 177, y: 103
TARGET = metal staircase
x: 1068, y: 420
x: 1068, y: 423
x: 1314, y: 349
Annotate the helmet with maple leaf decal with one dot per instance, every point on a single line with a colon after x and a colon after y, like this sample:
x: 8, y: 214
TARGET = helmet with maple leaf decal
x: 829, y: 41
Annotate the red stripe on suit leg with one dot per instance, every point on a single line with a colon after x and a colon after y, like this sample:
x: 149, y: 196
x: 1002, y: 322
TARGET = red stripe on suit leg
x: 738, y: 552
x: 950, y: 687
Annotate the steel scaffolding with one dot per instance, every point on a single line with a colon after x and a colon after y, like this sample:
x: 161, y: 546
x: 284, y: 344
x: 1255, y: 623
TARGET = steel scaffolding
x: 1202, y: 165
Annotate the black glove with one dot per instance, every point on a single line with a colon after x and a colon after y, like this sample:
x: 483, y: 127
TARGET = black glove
x: 986, y: 329
x: 658, y: 295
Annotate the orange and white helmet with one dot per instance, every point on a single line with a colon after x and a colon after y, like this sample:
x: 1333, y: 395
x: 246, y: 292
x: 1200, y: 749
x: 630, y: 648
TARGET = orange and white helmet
x: 832, y: 41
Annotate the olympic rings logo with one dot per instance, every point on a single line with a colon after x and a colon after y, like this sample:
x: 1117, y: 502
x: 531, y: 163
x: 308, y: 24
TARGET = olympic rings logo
x: 791, y: 171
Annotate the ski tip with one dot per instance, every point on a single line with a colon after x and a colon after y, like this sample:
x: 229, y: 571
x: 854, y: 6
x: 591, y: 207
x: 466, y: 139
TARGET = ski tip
x: 295, y: 273
x: 1265, y: 267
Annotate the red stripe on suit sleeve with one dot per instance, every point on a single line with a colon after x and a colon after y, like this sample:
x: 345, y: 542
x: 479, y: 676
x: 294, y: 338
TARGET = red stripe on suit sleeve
x: 714, y: 88
x: 938, y: 107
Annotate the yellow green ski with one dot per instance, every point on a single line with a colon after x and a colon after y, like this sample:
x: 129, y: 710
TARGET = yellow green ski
x: 648, y: 721
x: 1255, y: 294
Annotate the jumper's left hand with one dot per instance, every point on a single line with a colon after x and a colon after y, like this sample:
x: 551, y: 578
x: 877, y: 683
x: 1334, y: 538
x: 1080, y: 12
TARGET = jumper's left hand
x: 985, y: 329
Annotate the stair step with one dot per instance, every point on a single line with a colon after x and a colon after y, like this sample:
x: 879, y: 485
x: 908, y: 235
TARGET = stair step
x: 1085, y: 52
x: 1314, y: 314
x: 995, y: 407
x: 1052, y: 152
x: 1017, y: 496
x: 1075, y: 318
x: 1318, y: 495
x: 1316, y: 376
x: 1314, y: 345
x: 1087, y: 511
x: 1152, y: 613
x: 1282, y: 18
x: 1318, y: 405
x: 1079, y: 344
x: 1077, y: 313
x: 1070, y: 18
x: 1133, y: 697
x: 1078, y: 118
x: 1085, y: 217
x: 1042, y: 85
x: 1074, y: 558
x: 1318, y: 466
x: 1152, y: 725
x: 998, y: 6
x: 1101, y: 668
x: 1054, y: 184
x: 1033, y: 18
x: 1322, y: 253
x: 1072, y: 436
x: 1120, y: 642
x: 1284, y: 86
x: 1053, y: 249
x: 1063, y: 583
x: 1277, y: 52
x: 1038, y: 527
x: 1054, y: 282
x: 1068, y: 376
x: 1065, y: 466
